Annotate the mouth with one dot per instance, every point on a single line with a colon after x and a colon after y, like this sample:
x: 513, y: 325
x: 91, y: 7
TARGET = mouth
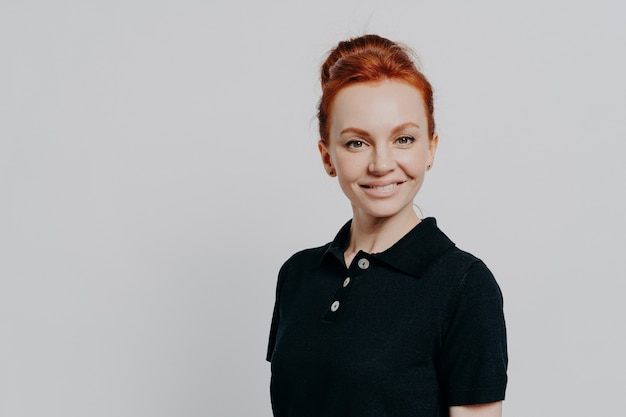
x: 383, y: 187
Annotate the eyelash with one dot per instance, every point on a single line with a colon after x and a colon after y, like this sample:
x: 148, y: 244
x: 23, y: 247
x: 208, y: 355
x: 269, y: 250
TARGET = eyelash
x: 401, y: 139
x: 358, y: 144
x: 352, y: 144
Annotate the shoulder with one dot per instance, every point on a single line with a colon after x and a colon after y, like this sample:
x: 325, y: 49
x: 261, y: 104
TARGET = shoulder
x: 473, y: 267
x: 464, y: 272
x: 455, y: 261
x: 306, y: 258
x: 312, y: 257
x: 298, y: 265
x: 471, y: 286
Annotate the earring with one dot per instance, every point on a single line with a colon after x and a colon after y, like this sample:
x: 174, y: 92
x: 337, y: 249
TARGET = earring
x: 331, y: 172
x: 428, y: 167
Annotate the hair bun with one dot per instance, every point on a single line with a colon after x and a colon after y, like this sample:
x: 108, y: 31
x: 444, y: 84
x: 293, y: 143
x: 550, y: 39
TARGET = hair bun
x: 369, y: 58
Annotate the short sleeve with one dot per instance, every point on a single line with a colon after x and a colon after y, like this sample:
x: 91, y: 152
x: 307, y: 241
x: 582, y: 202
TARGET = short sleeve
x: 275, y: 315
x: 474, y: 359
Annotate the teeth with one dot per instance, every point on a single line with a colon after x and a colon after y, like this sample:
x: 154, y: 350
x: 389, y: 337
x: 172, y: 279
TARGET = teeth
x: 384, y: 187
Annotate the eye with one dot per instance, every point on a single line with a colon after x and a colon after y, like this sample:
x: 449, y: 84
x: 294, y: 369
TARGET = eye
x: 355, y: 144
x: 405, y: 140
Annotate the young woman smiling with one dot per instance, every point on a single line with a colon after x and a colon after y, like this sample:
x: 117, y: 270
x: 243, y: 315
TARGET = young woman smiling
x: 390, y: 318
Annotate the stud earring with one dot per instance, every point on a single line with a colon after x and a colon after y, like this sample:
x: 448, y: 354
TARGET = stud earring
x: 428, y: 167
x: 331, y: 172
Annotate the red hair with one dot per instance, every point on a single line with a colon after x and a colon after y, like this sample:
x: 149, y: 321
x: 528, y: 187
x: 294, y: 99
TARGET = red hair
x: 369, y: 58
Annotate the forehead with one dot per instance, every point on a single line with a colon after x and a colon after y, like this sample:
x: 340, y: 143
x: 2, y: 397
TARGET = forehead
x: 377, y: 105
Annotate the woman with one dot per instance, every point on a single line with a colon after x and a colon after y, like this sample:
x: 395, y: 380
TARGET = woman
x: 390, y: 318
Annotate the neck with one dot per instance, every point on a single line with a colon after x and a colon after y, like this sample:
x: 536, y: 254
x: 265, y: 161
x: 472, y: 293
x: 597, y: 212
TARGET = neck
x: 374, y: 235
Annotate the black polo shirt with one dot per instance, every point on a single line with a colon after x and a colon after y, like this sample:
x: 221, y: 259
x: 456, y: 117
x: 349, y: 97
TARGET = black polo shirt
x: 406, y: 332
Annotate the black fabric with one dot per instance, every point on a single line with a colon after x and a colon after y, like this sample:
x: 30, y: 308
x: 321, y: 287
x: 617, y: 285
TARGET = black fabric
x: 418, y: 328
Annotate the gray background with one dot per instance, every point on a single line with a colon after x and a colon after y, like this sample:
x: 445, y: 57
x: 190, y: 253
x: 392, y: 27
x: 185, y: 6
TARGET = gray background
x: 158, y: 163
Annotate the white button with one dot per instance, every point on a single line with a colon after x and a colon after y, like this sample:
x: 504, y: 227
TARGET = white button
x: 334, y: 306
x: 363, y: 263
x: 346, y: 282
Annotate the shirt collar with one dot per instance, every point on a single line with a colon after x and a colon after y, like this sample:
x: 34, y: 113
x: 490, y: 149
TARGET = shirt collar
x: 412, y: 254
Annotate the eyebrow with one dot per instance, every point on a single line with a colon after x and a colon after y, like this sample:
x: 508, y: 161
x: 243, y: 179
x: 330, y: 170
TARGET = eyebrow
x: 362, y: 132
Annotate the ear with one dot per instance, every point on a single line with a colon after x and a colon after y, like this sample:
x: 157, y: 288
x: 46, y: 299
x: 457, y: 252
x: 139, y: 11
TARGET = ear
x: 326, y: 159
x: 432, y: 148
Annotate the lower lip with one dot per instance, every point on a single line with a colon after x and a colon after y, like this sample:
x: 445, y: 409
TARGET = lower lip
x: 381, y: 193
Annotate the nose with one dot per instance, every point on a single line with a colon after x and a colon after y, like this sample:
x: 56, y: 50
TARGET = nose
x: 382, y: 161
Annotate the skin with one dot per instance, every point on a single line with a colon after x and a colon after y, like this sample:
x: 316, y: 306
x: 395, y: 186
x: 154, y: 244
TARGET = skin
x: 478, y: 410
x: 379, y: 150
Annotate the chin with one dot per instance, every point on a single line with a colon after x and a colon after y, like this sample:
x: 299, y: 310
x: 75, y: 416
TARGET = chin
x: 385, y: 211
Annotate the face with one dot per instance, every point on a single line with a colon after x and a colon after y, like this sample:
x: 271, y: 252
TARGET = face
x: 379, y: 147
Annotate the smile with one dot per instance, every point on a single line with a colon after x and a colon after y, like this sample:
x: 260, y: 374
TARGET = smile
x: 382, y: 187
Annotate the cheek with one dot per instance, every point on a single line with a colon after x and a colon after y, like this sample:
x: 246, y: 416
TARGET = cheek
x: 414, y: 162
x: 346, y: 173
x: 348, y: 166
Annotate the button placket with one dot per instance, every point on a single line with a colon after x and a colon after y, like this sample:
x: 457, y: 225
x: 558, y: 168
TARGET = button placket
x: 337, y: 303
x: 338, y: 300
